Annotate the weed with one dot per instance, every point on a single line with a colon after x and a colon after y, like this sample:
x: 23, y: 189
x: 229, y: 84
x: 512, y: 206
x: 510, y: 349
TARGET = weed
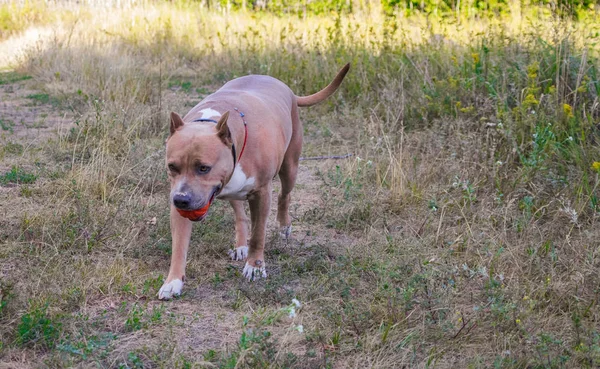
x: 14, y: 148
x: 18, y: 176
x: 7, y: 125
x: 85, y: 347
x: 42, y: 99
x: 5, y: 295
x: 38, y: 328
x: 138, y: 317
x: 12, y: 77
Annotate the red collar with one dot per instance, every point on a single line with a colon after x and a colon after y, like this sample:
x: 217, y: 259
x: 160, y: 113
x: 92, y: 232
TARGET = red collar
x: 242, y: 115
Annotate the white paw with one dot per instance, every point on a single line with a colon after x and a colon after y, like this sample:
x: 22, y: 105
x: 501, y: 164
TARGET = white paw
x: 253, y: 273
x: 240, y: 253
x: 285, y: 232
x: 170, y: 290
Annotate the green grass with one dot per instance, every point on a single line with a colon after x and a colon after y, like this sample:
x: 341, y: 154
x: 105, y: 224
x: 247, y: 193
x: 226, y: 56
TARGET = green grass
x: 7, y: 125
x: 43, y: 99
x: 17, y: 175
x: 12, y: 77
x: 462, y: 233
x: 40, y: 98
x: 38, y: 328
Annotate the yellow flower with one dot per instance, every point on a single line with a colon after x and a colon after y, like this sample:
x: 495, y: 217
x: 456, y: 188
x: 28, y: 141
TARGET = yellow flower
x: 530, y: 100
x: 568, y: 110
x: 518, y: 321
x: 532, y: 70
x: 475, y: 58
x: 596, y: 166
x: 584, y: 83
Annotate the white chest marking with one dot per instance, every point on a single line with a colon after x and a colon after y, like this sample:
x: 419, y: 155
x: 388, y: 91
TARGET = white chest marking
x: 238, y: 186
x: 209, y: 113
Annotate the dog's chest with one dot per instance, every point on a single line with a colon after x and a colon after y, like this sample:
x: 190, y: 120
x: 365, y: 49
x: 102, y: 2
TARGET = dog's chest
x: 238, y: 186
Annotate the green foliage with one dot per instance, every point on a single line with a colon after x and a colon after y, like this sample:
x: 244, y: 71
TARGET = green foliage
x: 7, y: 125
x: 37, y: 327
x: 40, y: 98
x: 140, y: 317
x: 12, y: 77
x: 18, y: 176
x: 133, y: 361
x: 43, y: 98
x: 12, y: 147
x: 5, y: 295
x: 86, y: 346
x: 256, y: 347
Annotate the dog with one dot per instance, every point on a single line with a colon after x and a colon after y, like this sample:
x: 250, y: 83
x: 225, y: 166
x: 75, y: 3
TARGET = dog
x: 230, y: 146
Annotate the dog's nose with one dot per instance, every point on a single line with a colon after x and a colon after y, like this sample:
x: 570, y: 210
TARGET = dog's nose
x: 182, y: 200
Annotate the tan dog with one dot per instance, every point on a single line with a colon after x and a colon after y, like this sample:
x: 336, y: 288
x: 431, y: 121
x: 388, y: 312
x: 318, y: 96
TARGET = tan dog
x: 230, y: 146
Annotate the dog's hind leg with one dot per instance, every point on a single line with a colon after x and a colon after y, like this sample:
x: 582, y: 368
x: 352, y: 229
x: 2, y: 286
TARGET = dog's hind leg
x: 241, y: 231
x: 287, y: 175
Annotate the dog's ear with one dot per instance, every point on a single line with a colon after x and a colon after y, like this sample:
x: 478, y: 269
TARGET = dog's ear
x: 176, y: 122
x: 223, y: 130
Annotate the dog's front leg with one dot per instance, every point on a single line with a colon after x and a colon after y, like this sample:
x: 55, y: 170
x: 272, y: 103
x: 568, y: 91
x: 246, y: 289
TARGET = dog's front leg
x: 241, y: 231
x: 181, y: 231
x: 260, y: 205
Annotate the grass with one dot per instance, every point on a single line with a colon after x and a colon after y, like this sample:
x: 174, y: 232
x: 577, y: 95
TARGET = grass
x: 17, y: 175
x: 12, y: 77
x: 7, y: 125
x: 462, y: 233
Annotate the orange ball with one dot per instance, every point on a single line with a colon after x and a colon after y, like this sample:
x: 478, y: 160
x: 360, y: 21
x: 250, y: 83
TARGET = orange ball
x: 194, y: 214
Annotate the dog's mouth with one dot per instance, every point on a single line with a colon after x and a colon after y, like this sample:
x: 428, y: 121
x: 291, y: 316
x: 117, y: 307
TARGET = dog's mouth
x: 201, y: 213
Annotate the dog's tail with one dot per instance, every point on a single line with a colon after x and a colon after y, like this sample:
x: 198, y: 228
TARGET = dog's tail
x: 326, y: 92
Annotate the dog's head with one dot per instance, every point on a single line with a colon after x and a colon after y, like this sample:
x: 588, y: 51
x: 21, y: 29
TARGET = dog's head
x: 199, y: 163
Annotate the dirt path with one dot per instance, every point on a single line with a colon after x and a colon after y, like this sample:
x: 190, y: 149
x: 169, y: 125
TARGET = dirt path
x: 28, y: 121
x: 27, y: 115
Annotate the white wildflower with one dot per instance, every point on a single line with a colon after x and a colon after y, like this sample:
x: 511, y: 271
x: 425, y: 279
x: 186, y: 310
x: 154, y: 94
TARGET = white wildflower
x: 296, y: 302
x: 571, y: 213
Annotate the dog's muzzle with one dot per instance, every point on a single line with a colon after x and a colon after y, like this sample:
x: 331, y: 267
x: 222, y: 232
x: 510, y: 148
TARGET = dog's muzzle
x: 182, y: 203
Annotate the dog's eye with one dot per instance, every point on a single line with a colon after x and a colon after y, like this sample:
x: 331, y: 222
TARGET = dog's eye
x: 173, y: 168
x: 203, y: 169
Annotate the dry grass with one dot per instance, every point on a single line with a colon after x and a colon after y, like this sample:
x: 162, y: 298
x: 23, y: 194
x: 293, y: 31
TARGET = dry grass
x: 464, y: 232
